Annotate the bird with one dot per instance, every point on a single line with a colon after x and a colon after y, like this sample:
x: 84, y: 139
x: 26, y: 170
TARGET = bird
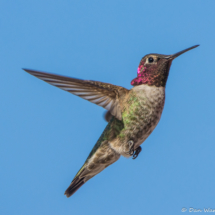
x: 132, y: 114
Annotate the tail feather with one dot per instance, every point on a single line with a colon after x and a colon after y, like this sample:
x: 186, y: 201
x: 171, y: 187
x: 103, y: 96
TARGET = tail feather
x: 74, y: 186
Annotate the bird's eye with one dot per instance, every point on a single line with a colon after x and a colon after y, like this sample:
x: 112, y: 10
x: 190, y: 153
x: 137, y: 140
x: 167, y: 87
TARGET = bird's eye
x: 151, y: 60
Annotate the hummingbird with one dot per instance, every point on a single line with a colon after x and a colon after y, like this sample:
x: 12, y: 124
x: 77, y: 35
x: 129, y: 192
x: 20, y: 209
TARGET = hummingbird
x: 132, y: 114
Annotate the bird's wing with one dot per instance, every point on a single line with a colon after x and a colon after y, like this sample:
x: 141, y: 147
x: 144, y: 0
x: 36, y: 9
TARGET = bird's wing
x: 103, y: 94
x: 107, y: 116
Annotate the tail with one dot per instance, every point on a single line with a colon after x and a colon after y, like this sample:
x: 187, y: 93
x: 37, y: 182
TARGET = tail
x: 77, y: 182
x: 74, y: 186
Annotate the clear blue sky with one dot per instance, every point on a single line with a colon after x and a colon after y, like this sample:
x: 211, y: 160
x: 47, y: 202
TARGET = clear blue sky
x: 46, y: 133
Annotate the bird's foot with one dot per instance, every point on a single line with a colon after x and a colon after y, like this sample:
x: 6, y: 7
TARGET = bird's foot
x: 137, y: 152
x: 131, y: 147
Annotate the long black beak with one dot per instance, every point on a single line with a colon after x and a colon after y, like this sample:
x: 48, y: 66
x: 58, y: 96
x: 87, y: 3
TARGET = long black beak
x: 173, y: 56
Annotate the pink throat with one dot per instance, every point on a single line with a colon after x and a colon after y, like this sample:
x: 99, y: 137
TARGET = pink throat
x: 141, y: 76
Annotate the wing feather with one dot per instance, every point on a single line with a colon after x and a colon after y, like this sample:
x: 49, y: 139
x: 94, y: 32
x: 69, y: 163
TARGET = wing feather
x: 103, y: 94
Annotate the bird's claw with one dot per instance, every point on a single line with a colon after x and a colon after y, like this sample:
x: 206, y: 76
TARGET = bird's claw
x: 132, y: 151
x: 137, y: 152
x: 131, y: 147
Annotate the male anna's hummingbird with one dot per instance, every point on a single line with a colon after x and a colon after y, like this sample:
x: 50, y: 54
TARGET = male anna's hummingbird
x: 135, y: 112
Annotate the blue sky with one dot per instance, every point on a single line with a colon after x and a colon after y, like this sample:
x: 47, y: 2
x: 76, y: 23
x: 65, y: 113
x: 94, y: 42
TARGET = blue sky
x: 46, y: 133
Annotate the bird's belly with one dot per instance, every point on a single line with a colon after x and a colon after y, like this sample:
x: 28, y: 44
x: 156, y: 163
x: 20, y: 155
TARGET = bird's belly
x: 140, y: 117
x: 146, y: 130
x: 143, y: 126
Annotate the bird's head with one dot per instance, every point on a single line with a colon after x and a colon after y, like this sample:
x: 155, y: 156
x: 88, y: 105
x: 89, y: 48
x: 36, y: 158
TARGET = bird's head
x: 153, y: 69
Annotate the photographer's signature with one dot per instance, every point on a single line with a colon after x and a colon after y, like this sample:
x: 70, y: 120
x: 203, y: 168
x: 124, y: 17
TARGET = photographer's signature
x: 198, y: 210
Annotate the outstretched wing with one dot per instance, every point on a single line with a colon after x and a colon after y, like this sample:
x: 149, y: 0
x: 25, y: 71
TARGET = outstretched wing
x: 103, y: 94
